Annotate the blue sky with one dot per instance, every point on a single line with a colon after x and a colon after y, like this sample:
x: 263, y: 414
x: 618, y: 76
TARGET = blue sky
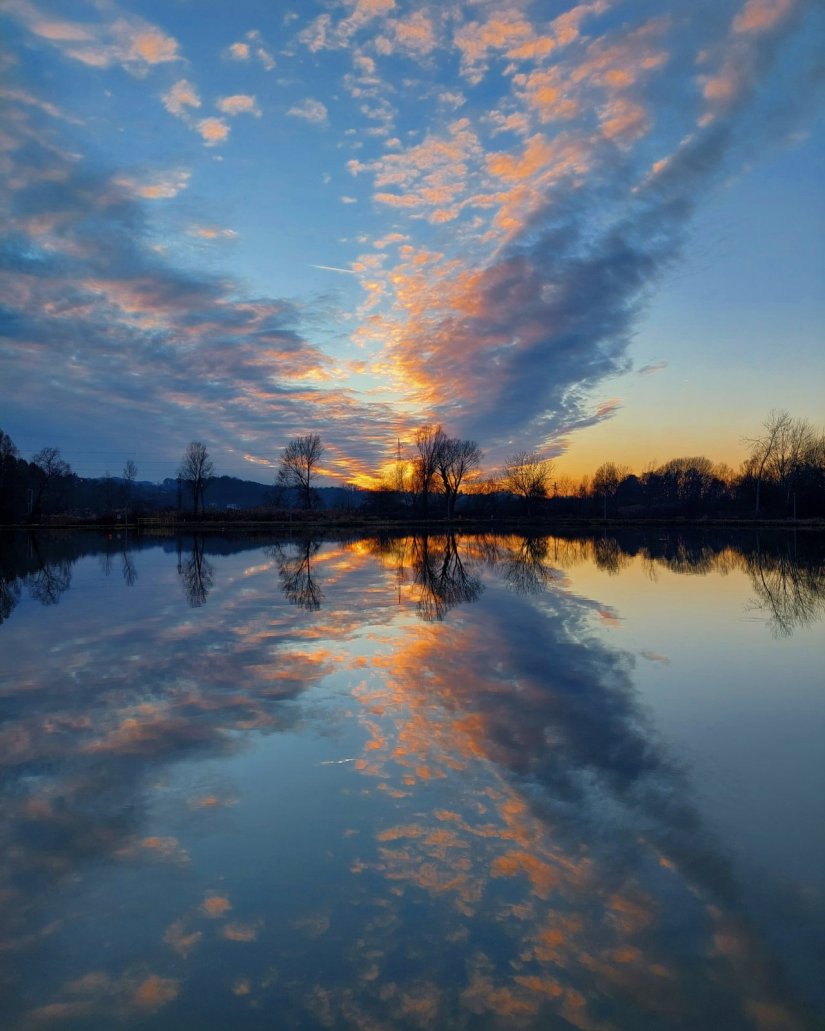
x: 593, y: 229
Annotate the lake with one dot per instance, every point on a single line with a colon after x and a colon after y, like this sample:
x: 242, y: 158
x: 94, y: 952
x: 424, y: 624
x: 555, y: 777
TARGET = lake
x: 413, y: 782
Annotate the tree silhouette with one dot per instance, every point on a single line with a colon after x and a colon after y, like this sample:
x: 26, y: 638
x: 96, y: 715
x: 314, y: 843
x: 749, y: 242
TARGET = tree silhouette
x: 50, y: 466
x: 527, y: 475
x: 785, y: 455
x: 196, y: 470
x: 299, y: 463
x: 129, y: 477
x: 606, y: 482
x: 429, y: 440
x: 455, y: 459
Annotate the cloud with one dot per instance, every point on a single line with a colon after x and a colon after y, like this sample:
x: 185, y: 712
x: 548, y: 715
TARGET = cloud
x: 147, y: 343
x: 180, y: 98
x: 579, y: 229
x: 158, y: 186
x: 21, y: 96
x: 652, y: 368
x: 260, y: 49
x: 239, y: 103
x: 414, y: 34
x: 213, y: 130
x: 758, y: 16
x: 325, y: 34
x: 743, y: 54
x: 211, y: 232
x: 252, y: 46
x: 531, y: 231
x: 183, y: 98
x: 310, y: 110
x: 127, y: 40
x: 510, y: 34
x: 153, y: 46
x: 239, y: 51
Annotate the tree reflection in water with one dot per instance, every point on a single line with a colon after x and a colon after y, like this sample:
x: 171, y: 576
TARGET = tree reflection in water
x: 792, y: 594
x: 294, y: 561
x: 9, y: 596
x: 442, y: 576
x: 53, y: 578
x: 196, y: 573
x: 527, y: 567
x: 787, y: 575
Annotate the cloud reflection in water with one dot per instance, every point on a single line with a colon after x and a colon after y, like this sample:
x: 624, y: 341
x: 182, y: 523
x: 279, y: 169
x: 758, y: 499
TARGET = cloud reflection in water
x: 513, y: 845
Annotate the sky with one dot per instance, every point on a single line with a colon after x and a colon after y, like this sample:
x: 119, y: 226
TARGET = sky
x: 593, y: 230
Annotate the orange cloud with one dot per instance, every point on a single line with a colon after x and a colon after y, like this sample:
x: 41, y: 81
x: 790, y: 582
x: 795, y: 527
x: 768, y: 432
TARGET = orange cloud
x: 181, y: 96
x: 155, y: 992
x: 213, y: 130
x: 239, y: 103
x: 215, y: 906
x: 154, y: 47
x: 761, y: 15
x: 624, y: 120
x: 240, y: 932
x: 181, y: 941
x: 160, y: 186
x: 415, y: 33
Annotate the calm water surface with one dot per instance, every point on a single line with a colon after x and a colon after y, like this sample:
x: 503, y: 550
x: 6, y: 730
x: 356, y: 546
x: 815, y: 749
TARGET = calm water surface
x: 412, y: 783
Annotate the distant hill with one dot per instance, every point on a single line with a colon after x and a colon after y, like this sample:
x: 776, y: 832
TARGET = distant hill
x: 231, y: 492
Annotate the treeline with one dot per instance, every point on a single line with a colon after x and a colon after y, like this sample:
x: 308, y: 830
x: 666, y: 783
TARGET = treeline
x: 783, y: 477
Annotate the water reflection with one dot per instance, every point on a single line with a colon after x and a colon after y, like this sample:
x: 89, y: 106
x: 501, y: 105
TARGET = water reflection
x: 792, y: 594
x: 328, y: 791
x: 787, y: 575
x: 443, y: 577
x: 294, y: 561
x: 528, y: 565
x: 195, y: 571
x: 121, y: 546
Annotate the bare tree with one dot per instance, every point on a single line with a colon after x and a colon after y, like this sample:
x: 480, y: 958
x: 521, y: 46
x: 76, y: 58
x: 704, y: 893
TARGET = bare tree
x: 51, y: 466
x: 455, y: 459
x: 764, y: 448
x: 196, y: 470
x: 527, y: 475
x: 780, y: 454
x: 606, y: 481
x: 299, y: 463
x: 129, y: 477
x: 429, y: 440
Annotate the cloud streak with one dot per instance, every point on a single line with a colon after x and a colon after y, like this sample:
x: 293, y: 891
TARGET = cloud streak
x: 140, y: 342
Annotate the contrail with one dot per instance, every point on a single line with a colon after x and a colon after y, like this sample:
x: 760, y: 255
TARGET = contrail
x: 334, y: 268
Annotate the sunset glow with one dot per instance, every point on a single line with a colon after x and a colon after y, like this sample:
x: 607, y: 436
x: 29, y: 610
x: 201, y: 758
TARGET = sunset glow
x: 592, y: 229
